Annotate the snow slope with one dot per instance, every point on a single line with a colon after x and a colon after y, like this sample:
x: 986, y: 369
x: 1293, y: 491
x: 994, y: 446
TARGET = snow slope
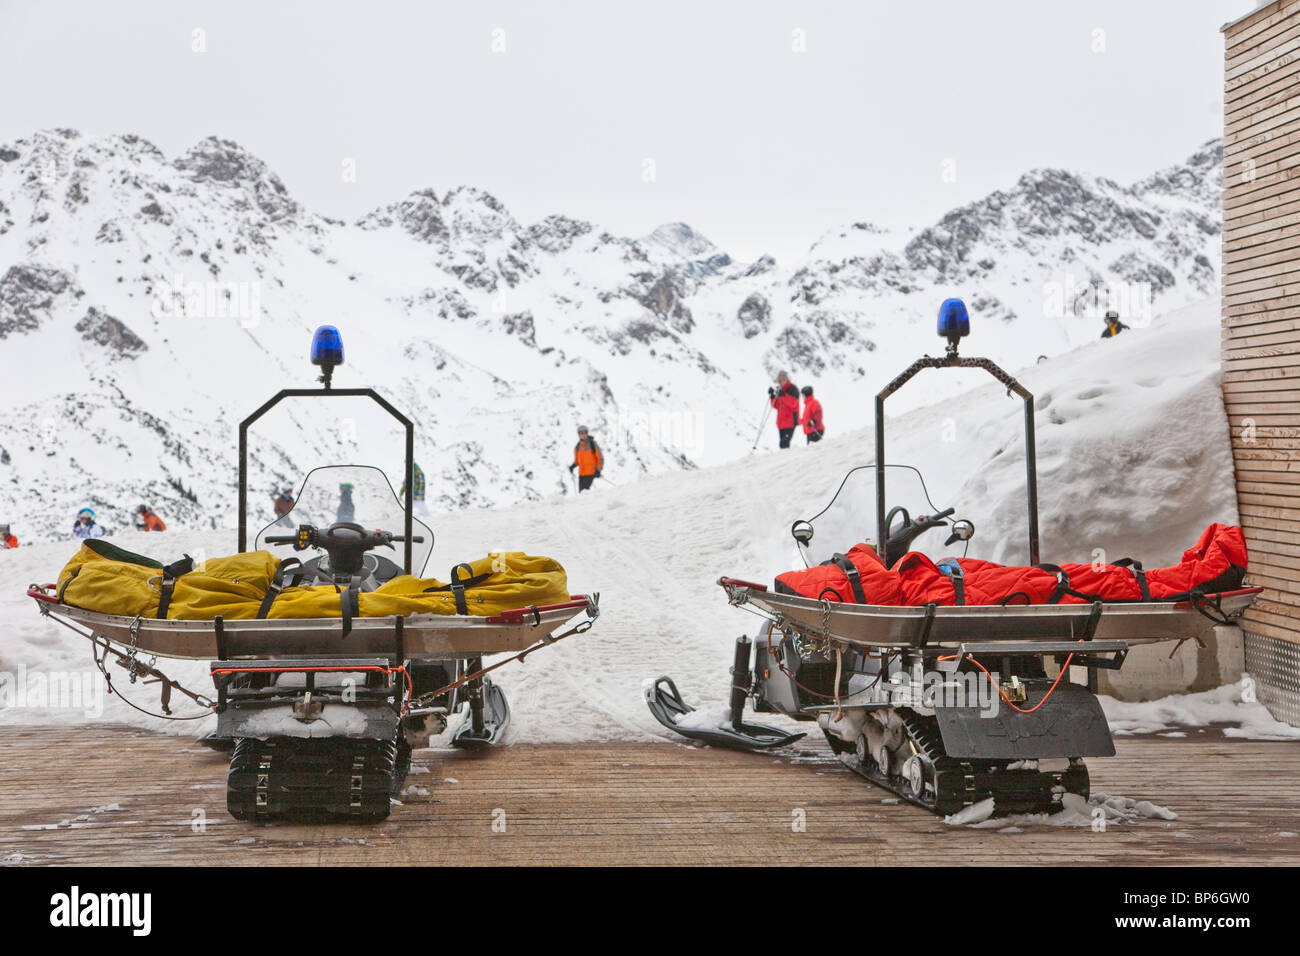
x: 148, y: 302
x: 1133, y: 459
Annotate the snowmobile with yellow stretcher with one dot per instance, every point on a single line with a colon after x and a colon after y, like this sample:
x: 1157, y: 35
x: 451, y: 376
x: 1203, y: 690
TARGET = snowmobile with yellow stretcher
x: 330, y: 655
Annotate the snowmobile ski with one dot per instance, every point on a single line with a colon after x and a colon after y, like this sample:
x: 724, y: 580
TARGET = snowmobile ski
x: 665, y: 702
x: 489, y: 715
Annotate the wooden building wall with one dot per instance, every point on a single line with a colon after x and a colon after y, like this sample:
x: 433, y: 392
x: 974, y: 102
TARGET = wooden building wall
x: 1261, y: 301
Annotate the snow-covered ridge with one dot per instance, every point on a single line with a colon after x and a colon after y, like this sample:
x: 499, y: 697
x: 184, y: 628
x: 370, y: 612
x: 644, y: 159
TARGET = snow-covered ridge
x: 147, y: 303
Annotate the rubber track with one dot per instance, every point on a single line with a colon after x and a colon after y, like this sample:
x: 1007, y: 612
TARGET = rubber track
x: 327, y: 778
x: 961, y: 783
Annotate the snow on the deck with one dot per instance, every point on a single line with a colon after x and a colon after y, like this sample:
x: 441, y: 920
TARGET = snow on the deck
x: 1229, y: 706
x: 1134, y: 459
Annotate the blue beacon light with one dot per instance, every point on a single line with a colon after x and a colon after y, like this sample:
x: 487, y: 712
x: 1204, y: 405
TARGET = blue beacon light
x: 954, y: 322
x: 327, y: 351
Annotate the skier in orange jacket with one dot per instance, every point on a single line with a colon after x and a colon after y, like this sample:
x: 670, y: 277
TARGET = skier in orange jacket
x: 587, y: 458
x: 146, y: 520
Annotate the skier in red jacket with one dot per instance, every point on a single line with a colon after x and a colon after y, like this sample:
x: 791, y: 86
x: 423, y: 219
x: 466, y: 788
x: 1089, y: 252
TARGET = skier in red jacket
x: 813, y: 425
x: 785, y: 399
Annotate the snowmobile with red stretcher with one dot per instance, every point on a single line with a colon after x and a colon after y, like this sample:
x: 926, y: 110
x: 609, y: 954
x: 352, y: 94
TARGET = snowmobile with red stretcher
x: 940, y: 690
x: 321, y: 713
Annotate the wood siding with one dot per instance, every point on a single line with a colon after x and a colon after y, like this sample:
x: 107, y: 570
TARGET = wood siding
x: 1261, y: 300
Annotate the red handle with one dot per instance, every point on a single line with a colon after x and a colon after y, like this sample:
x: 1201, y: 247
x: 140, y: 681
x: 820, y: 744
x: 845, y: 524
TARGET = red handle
x: 729, y: 583
x: 519, y: 614
x: 1219, y: 594
x: 37, y: 591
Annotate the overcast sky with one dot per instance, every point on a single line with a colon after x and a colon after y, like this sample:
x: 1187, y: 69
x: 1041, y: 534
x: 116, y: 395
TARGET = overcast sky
x: 762, y: 123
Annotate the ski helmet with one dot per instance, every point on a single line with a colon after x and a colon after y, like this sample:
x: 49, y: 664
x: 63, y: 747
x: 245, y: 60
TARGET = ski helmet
x: 806, y: 391
x: 1112, y: 314
x: 86, y: 513
x: 582, y: 429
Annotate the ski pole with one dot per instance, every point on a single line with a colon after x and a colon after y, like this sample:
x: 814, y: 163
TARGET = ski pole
x: 767, y: 411
x: 607, y: 481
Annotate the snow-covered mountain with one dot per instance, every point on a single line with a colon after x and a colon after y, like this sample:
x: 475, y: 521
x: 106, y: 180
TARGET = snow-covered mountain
x: 147, y: 303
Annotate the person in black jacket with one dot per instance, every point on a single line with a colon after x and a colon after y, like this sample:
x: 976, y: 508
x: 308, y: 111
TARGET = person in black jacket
x: 1113, y: 325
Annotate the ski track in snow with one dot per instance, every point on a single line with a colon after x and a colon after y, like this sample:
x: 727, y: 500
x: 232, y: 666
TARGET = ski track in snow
x: 1113, y: 475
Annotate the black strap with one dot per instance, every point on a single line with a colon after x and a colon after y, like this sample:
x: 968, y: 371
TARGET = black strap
x: 1136, y: 567
x: 851, y: 572
x: 350, y: 599
x: 458, y: 585
x: 170, y: 573
x: 1062, y: 583
x: 277, y: 585
x: 954, y: 572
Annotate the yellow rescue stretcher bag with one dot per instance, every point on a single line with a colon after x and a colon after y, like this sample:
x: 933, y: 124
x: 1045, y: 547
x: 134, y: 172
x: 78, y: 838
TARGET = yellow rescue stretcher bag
x: 111, y: 580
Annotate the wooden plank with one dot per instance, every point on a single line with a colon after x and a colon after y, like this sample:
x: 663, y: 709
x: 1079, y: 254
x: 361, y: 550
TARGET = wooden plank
x: 1242, y: 186
x: 1274, y: 631
x: 1260, y: 351
x: 1262, y: 43
x: 1244, y: 86
x: 1279, y: 590
x: 1257, y: 333
x: 1254, y: 478
x: 1255, y: 384
x: 1264, y: 512
x: 1248, y: 377
x: 1247, y: 452
x: 1286, y: 282
x: 1258, y: 250
x: 1259, y: 23
x: 1254, y: 59
x: 1275, y: 176
x: 1253, y: 127
x: 1276, y: 615
x: 1257, y: 528
x: 1265, y: 146
x: 1282, y: 489
x: 1250, y: 242
x: 1261, y: 360
x: 1245, y: 401
x: 1265, y: 210
x: 625, y: 804
x: 1280, y: 85
x: 1260, y: 310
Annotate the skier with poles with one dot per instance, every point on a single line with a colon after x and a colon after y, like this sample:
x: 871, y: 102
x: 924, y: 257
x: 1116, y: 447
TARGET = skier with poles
x: 785, y: 399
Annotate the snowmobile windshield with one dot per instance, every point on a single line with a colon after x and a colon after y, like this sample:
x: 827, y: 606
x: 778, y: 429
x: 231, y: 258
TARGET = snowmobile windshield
x: 847, y: 515
x: 358, y: 494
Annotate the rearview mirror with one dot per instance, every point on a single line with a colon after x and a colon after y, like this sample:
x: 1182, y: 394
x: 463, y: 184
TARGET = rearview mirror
x: 802, y: 532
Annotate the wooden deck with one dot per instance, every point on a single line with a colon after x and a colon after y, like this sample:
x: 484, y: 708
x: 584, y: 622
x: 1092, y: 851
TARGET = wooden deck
x: 117, y: 796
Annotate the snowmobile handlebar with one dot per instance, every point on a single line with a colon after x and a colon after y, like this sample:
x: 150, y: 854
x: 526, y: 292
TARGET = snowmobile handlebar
x: 346, y: 543
x: 340, y: 533
x: 900, y: 541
